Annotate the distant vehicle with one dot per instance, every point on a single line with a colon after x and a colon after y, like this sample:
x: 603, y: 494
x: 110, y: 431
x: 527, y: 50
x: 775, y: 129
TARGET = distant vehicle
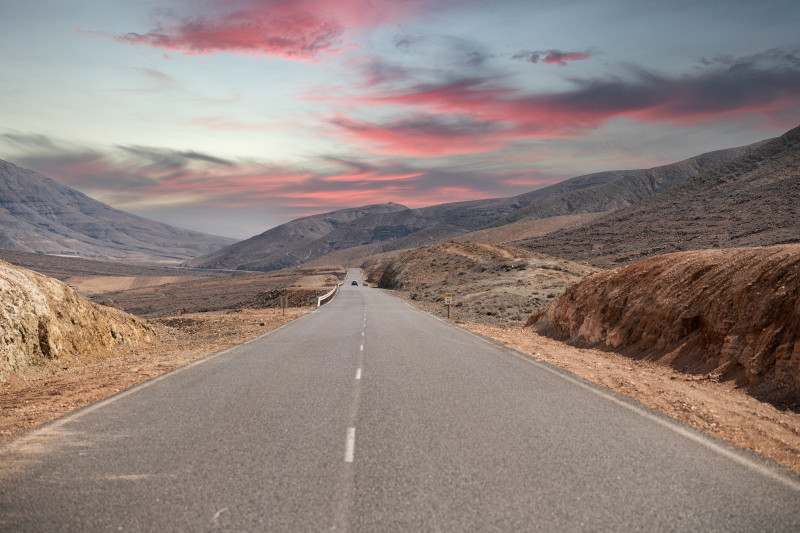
x: 354, y: 282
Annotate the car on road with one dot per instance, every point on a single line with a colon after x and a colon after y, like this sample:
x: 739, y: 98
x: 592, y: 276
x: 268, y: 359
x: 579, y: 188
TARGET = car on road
x: 354, y: 283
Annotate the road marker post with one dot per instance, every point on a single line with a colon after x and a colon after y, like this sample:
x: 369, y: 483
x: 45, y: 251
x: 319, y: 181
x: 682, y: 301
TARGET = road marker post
x: 448, y: 301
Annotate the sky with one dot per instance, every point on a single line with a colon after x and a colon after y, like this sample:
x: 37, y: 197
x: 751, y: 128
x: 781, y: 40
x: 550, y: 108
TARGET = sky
x: 231, y: 117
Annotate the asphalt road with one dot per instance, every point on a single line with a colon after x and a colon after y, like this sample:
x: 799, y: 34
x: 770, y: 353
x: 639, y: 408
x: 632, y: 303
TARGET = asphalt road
x: 368, y: 415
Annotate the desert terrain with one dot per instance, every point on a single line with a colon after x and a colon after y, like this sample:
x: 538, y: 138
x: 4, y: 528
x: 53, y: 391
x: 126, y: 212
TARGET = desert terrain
x: 575, y: 274
x: 499, y: 289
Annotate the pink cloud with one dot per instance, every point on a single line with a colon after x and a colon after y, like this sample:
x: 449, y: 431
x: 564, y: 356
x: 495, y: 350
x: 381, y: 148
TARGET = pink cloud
x: 764, y: 87
x: 554, y: 57
x: 425, y: 136
x: 551, y: 57
x: 144, y: 179
x: 293, y: 29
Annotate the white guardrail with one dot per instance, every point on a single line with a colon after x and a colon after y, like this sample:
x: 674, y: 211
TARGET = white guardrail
x: 322, y: 299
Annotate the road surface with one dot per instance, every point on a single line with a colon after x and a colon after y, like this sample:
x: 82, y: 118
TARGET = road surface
x: 368, y: 415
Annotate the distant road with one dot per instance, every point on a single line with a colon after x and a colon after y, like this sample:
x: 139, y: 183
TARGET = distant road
x: 368, y: 415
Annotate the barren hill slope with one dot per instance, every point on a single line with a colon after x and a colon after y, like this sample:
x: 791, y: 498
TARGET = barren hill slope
x: 43, y: 319
x: 625, y: 191
x: 40, y: 215
x: 289, y: 244
x: 727, y: 314
x: 489, y: 282
x: 388, y: 226
x: 753, y: 200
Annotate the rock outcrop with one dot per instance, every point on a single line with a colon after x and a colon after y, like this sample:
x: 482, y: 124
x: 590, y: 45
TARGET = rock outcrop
x: 43, y: 319
x: 728, y: 314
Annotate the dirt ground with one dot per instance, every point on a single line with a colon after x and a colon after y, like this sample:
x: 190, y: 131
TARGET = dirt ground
x: 45, y: 393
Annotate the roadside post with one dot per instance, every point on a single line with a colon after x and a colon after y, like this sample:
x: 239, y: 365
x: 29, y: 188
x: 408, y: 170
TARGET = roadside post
x: 448, y: 301
x: 284, y: 302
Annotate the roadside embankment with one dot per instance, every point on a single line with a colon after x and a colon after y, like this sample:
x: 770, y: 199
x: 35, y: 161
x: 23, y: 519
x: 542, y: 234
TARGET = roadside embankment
x: 42, y: 319
x: 723, y: 314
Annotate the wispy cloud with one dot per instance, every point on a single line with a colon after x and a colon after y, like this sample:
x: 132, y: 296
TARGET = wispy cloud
x: 423, y: 136
x: 140, y: 178
x: 292, y: 29
x: 760, y: 86
x: 158, y: 81
x: 551, y: 57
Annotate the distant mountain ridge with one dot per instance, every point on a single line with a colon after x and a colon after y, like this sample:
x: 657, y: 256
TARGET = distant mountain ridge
x: 753, y: 200
x: 309, y: 238
x: 626, y: 191
x: 38, y: 214
x: 289, y: 244
x: 381, y: 230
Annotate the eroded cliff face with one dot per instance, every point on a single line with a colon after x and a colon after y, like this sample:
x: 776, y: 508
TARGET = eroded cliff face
x: 730, y: 314
x: 42, y: 318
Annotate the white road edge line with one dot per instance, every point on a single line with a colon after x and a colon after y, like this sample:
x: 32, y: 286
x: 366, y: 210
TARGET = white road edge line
x: 350, y: 446
x: 733, y: 453
x: 59, y: 422
x: 358, y: 374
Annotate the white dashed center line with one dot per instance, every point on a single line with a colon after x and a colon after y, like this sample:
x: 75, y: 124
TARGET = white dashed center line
x: 358, y: 374
x: 350, y: 447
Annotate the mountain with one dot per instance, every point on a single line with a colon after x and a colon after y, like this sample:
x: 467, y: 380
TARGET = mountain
x: 288, y: 244
x: 394, y: 225
x: 40, y: 215
x: 753, y: 200
x: 623, y: 192
x: 383, y: 230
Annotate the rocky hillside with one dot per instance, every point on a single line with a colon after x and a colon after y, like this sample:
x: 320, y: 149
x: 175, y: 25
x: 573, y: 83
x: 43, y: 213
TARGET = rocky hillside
x: 625, y: 191
x: 292, y: 243
x: 753, y: 200
x: 381, y: 228
x: 40, y: 215
x: 724, y: 314
x: 488, y: 282
x: 392, y: 227
x: 41, y: 319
